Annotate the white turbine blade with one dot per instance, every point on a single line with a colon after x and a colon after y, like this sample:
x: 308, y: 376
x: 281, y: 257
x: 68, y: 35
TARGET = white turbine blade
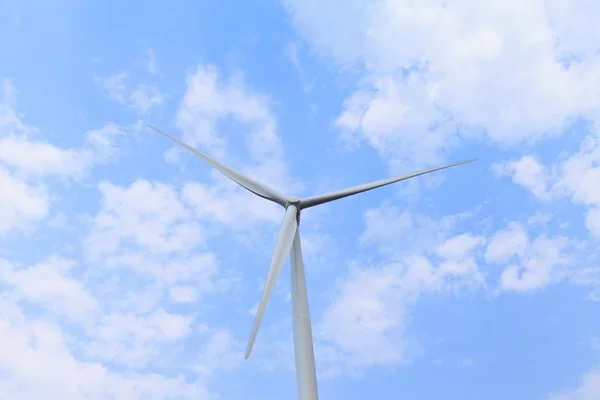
x: 244, y: 181
x: 282, y: 249
x: 327, y: 197
x: 306, y: 376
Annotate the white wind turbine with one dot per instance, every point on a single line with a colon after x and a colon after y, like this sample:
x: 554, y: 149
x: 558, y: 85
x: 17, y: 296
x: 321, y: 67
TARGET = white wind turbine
x: 288, y: 242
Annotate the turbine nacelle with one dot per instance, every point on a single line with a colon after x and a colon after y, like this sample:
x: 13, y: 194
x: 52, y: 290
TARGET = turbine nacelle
x: 294, y: 201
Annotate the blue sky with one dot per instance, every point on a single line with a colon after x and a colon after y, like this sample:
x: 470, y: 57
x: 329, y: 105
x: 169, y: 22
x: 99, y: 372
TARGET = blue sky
x: 130, y: 270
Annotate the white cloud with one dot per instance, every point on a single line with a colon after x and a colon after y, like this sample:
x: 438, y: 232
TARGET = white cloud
x: 575, y: 177
x: 403, y: 232
x: 134, y: 340
x: 320, y: 251
x: 545, y: 262
x: 527, y: 172
x: 209, y: 100
x: 39, y: 357
x: 592, y: 221
x: 507, y: 243
x: 37, y: 361
x: 102, y: 141
x: 459, y: 247
x: 145, y: 239
x: 151, y: 215
x: 578, y: 174
x: 458, y: 254
x: 365, y: 317
x: 36, y: 158
x: 220, y: 353
x: 152, y: 65
x: 183, y: 294
x: 48, y: 284
x: 227, y: 203
x: 572, y: 21
x: 20, y: 203
x: 465, y: 362
x: 144, y: 232
x: 24, y: 160
x: 145, y: 97
x: 588, y: 390
x: 539, y: 219
x: 114, y: 86
x: 461, y: 68
x: 372, y: 303
x: 364, y: 324
x: 291, y: 53
x: 186, y: 277
x: 142, y: 98
x: 39, y: 158
x: 530, y: 263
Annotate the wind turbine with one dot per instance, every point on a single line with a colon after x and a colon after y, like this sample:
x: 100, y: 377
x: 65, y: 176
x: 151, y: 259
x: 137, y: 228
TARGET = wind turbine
x: 288, y: 242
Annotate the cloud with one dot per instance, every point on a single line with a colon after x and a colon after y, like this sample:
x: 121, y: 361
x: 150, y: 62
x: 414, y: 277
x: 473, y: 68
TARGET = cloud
x: 543, y: 265
x: 421, y: 256
x: 20, y: 203
x: 134, y: 340
x: 290, y: 51
x: 145, y: 97
x: 365, y: 324
x: 507, y: 243
x: 150, y: 215
x: 460, y: 246
x: 365, y: 316
x: 220, y: 353
x: 592, y: 221
x: 28, y: 156
x: 456, y: 76
x: 152, y: 65
x: 580, y: 172
x: 121, y: 322
x: 588, y: 390
x: 49, y: 284
x: 320, y: 251
x: 37, y: 360
x: 102, y: 142
x: 575, y: 178
x: 184, y: 294
x: 146, y: 247
x: 225, y: 203
x: 527, y: 172
x: 26, y: 159
x: 531, y: 262
x: 114, y: 86
x: 142, y: 98
x: 396, y: 232
x: 209, y: 100
x: 109, y: 319
x: 38, y: 158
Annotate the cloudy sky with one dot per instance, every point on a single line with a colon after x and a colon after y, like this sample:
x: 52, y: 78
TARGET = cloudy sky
x: 131, y: 270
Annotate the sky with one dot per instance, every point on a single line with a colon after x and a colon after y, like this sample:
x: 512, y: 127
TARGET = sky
x: 131, y: 270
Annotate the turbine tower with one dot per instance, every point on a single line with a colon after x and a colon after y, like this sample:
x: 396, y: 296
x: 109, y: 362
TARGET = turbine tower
x: 288, y: 242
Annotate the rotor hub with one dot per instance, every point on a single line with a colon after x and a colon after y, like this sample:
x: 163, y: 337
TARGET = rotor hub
x: 293, y: 200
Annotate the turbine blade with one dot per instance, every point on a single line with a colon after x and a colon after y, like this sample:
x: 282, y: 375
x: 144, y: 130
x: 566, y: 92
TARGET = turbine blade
x: 306, y: 376
x: 327, y: 197
x: 258, y: 188
x: 285, y: 239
